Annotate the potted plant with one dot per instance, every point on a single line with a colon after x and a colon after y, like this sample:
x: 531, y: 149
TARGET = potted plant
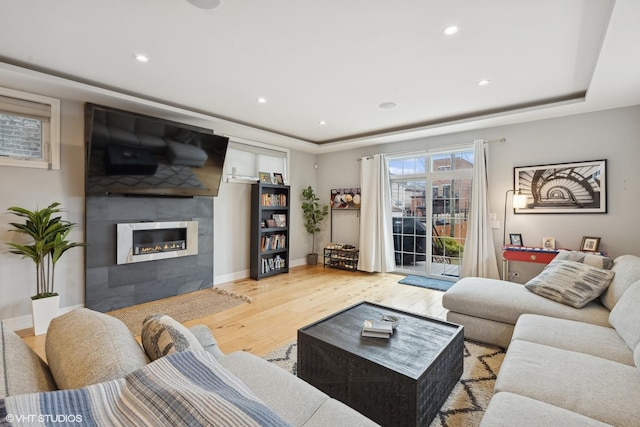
x: 314, y: 214
x: 49, y: 242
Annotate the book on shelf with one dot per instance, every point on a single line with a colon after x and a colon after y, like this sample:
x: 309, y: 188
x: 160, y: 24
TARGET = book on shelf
x: 273, y: 242
x: 274, y: 199
x: 376, y: 329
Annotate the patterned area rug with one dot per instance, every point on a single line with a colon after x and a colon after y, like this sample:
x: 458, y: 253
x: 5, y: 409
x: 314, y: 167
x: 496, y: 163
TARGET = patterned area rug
x: 469, y: 398
x: 426, y: 282
x: 182, y: 308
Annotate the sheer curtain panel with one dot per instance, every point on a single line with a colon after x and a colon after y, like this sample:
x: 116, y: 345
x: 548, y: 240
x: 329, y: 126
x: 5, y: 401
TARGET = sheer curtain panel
x: 376, y: 237
x: 479, y: 257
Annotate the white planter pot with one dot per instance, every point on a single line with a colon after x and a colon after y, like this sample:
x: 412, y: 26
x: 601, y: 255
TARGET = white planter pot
x: 43, y: 310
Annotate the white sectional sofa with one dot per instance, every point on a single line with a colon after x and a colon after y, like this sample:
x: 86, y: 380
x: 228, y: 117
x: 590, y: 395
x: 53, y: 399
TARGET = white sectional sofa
x: 94, y: 353
x: 564, y: 366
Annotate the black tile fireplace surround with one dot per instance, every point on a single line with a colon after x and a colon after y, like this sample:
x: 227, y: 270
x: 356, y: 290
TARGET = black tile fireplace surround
x: 109, y: 286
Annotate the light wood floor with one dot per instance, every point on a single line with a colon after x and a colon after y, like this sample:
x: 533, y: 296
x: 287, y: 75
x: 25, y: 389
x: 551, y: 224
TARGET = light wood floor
x: 284, y: 303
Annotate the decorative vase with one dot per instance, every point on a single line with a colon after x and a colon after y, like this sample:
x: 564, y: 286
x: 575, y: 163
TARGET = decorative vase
x: 43, y: 310
x: 312, y: 259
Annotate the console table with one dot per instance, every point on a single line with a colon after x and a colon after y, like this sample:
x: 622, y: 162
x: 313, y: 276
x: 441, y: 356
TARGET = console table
x: 525, y: 254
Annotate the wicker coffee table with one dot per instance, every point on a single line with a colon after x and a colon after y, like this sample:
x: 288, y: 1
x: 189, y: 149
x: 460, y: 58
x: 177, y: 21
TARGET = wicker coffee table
x: 401, y: 381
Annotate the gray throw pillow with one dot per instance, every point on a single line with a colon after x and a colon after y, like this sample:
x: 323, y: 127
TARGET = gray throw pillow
x: 87, y: 347
x: 593, y: 260
x: 162, y: 335
x: 571, y: 283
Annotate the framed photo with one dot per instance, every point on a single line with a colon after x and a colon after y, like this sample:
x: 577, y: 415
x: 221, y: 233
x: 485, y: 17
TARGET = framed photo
x: 271, y: 223
x: 590, y: 244
x: 548, y: 243
x: 279, y: 178
x: 265, y: 177
x: 515, y: 239
x: 579, y: 187
x: 281, y: 219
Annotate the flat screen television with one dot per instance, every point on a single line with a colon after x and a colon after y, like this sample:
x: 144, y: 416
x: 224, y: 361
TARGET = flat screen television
x: 134, y: 154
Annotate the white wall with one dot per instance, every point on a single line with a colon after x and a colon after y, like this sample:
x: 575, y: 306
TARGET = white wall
x: 37, y: 188
x: 613, y: 135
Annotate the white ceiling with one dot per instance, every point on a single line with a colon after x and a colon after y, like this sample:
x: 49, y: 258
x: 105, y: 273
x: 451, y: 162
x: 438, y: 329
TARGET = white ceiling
x: 332, y: 60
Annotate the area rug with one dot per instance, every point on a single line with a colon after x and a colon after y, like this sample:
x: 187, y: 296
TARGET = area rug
x: 182, y: 308
x: 426, y: 282
x: 468, y: 400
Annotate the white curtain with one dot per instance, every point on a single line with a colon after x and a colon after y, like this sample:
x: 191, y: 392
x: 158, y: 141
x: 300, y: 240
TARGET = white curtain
x: 479, y: 257
x: 376, y: 237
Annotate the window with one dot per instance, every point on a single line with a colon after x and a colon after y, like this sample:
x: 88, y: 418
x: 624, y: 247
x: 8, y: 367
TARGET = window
x: 245, y: 160
x: 29, y: 130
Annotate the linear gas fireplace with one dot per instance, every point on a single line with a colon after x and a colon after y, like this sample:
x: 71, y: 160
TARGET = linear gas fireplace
x: 149, y: 241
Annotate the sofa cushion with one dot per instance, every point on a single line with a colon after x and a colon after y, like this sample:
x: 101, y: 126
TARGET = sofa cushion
x: 599, y: 341
x: 508, y: 409
x: 296, y: 406
x: 505, y: 301
x: 627, y: 269
x: 206, y: 339
x: 162, y: 335
x: 598, y: 261
x: 571, y: 283
x: 625, y: 316
x: 21, y: 369
x: 591, y: 386
x: 87, y: 347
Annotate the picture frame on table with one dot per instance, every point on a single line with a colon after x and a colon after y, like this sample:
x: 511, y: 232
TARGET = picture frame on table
x: 548, y: 243
x: 590, y: 244
x: 515, y: 239
x: 279, y: 178
x: 265, y: 177
x: 560, y: 188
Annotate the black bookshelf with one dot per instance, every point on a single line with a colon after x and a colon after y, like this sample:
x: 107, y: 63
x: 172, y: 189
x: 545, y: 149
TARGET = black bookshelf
x: 269, y: 241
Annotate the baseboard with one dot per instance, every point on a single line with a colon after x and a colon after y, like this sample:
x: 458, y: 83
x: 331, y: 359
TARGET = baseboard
x: 239, y: 275
x: 26, y: 322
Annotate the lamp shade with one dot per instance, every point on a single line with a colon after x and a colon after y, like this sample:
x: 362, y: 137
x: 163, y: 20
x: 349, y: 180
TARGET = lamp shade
x: 519, y: 201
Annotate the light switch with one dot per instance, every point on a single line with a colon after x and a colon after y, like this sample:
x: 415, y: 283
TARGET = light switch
x: 493, y: 216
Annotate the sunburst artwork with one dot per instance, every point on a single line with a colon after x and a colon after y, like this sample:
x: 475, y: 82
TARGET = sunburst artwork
x: 563, y: 188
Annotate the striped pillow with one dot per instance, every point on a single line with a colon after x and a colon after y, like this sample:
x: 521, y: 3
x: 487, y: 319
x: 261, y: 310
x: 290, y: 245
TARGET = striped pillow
x: 599, y: 261
x: 162, y: 335
x: 571, y: 283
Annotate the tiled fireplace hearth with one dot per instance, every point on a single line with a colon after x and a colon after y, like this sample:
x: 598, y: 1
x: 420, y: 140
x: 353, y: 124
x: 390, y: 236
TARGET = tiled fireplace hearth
x: 166, y: 249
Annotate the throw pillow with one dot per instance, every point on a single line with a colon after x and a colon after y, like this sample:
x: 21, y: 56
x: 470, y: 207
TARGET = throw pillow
x: 625, y: 316
x: 162, y: 335
x: 598, y: 261
x: 570, y: 283
x: 87, y: 347
x: 21, y: 369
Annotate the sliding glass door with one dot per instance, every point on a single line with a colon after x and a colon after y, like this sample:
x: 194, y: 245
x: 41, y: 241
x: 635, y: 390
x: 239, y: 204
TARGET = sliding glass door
x: 430, y: 196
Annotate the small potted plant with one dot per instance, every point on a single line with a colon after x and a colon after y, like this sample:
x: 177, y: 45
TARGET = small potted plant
x: 49, y: 242
x: 314, y: 214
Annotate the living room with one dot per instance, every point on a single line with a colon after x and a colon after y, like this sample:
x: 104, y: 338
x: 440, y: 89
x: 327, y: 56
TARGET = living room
x: 538, y: 136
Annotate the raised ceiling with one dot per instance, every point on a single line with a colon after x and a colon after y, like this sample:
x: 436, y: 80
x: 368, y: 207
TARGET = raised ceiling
x: 337, y: 62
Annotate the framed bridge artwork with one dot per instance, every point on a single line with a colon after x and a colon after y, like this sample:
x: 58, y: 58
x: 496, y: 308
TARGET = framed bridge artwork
x: 579, y: 187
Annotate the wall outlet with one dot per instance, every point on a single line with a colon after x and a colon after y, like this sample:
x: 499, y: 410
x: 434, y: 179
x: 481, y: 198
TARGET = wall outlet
x: 513, y: 274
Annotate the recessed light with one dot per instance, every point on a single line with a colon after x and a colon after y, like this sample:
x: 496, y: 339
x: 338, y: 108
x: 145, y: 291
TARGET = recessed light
x: 388, y: 105
x: 205, y: 4
x: 449, y: 31
x: 262, y: 100
x: 322, y: 122
x: 484, y: 82
x: 141, y: 58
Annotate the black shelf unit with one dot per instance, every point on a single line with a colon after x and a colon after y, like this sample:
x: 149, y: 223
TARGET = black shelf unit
x: 269, y: 245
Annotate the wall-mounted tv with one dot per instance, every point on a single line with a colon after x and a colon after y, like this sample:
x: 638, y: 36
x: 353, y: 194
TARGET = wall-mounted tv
x: 134, y: 154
